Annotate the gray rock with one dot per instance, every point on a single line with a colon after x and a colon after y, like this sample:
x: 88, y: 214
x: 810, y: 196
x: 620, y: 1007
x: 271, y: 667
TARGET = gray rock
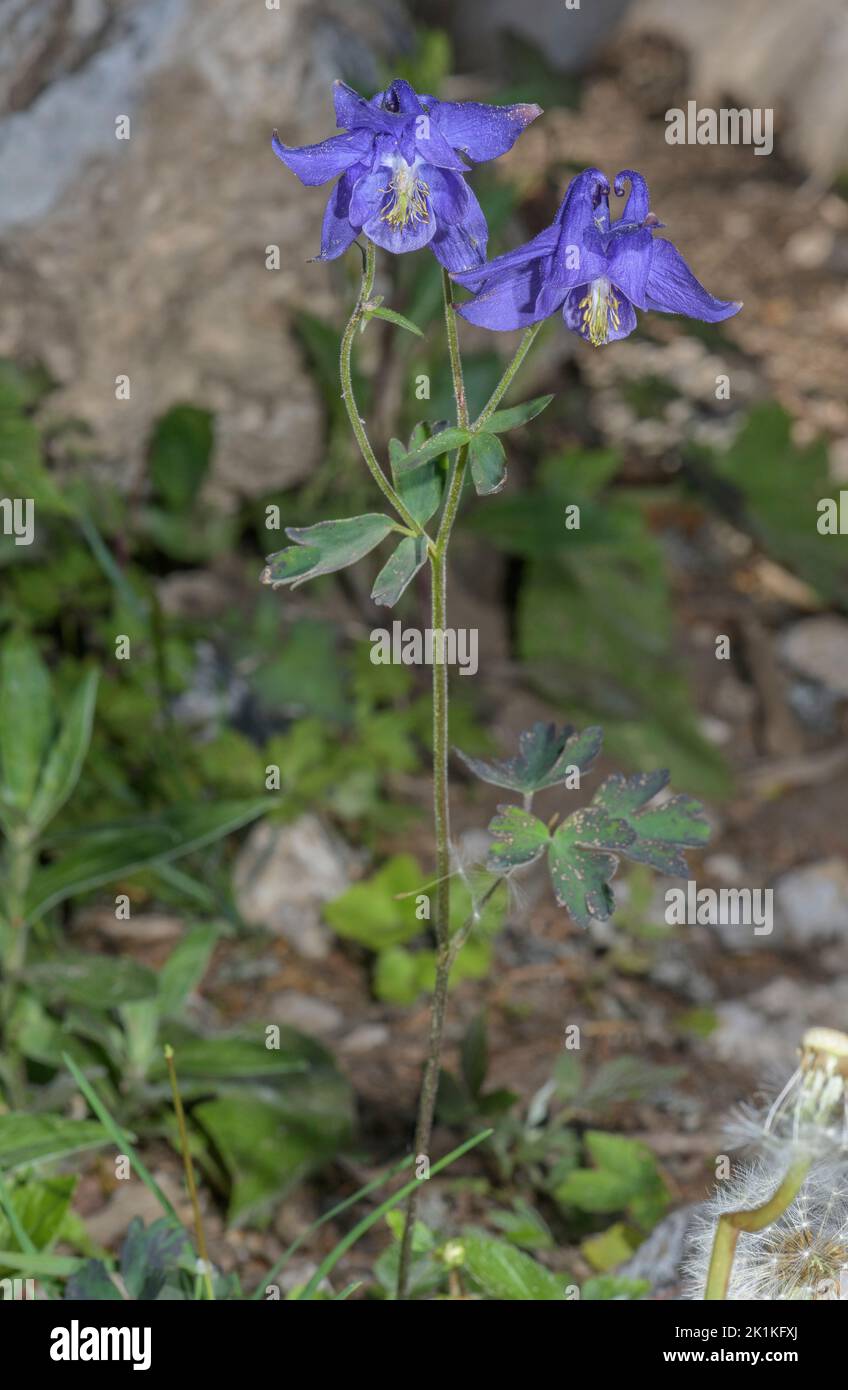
x: 317, y: 1017
x: 147, y: 256
x: 811, y: 904
x: 660, y: 1258
x: 284, y: 874
x: 818, y: 649
x: 766, y: 53
x: 366, y: 1038
x: 763, y: 1030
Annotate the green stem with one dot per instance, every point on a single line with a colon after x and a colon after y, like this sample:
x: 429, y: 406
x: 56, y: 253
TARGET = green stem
x: 453, y: 349
x: 504, y: 384
x: 188, y: 1167
x: 731, y: 1223
x: 441, y: 798
x: 365, y: 290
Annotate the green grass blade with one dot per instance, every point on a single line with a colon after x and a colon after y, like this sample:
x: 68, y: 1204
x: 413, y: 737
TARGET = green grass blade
x: 368, y: 1221
x: 120, y: 1137
x: 328, y: 1216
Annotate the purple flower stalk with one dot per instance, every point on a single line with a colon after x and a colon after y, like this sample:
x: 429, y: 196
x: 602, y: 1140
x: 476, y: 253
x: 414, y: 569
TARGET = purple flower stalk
x: 402, y: 171
x: 595, y: 271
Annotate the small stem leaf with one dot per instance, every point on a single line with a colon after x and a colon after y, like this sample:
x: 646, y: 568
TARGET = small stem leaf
x: 503, y: 420
x: 660, y: 832
x: 64, y: 761
x: 399, y: 570
x: 487, y: 461
x: 326, y: 547
x: 392, y: 317
x: 421, y: 490
x: 442, y: 443
x: 545, y: 756
x: 519, y: 839
x: 581, y: 866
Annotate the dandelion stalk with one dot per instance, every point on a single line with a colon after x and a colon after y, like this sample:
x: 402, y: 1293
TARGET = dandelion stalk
x: 732, y: 1223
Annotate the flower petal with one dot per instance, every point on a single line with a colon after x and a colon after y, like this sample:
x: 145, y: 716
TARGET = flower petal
x: 629, y: 261
x: 352, y: 110
x: 461, y: 244
x: 480, y: 131
x: 540, y: 247
x: 337, y: 232
x: 401, y: 99
x: 583, y: 219
x: 672, y: 288
x: 449, y: 194
x: 315, y: 164
x: 370, y: 205
x: 368, y: 196
x: 410, y: 237
x: 509, y: 300
x: 573, y: 312
x: 638, y: 203
x: 432, y: 146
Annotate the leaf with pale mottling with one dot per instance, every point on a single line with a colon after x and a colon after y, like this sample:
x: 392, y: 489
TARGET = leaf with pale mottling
x: 660, y: 832
x: 544, y: 758
x: 519, y: 838
x: 582, y: 865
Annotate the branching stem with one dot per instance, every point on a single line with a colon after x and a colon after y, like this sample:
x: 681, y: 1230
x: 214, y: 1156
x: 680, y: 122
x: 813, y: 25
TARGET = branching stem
x: 365, y: 289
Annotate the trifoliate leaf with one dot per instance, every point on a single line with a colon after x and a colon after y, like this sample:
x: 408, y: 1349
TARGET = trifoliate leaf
x: 659, y: 831
x: 581, y: 865
x: 519, y: 839
x: 399, y: 570
x: 326, y: 547
x: 421, y: 490
x: 516, y: 415
x: 545, y: 757
x: 487, y: 461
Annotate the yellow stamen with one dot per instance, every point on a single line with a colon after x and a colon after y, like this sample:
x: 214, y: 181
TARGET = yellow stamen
x: 406, y: 199
x: 600, y: 308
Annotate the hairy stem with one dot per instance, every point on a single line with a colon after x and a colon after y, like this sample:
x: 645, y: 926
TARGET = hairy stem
x: 441, y: 798
x: 506, y: 380
x: 731, y: 1223
x: 453, y: 349
x: 365, y: 289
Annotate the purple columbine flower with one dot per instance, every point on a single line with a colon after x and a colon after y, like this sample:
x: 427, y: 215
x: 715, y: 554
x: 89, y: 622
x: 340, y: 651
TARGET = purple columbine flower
x: 596, y: 271
x: 401, y: 166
